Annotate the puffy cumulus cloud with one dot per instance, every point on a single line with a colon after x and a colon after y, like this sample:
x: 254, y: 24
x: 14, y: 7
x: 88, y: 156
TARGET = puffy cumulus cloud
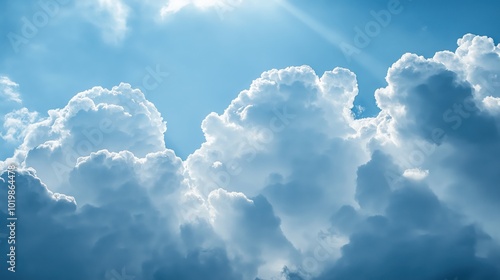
x: 416, y: 237
x: 123, y: 217
x: 265, y: 249
x: 123, y: 173
x: 479, y: 58
x: 9, y: 90
x: 432, y: 121
x: 59, y: 240
x: 127, y: 195
x: 15, y: 124
x: 442, y: 121
x: 120, y: 119
x: 373, y: 187
x: 278, y: 106
x: 289, y: 137
x: 492, y: 104
x: 413, y: 235
x: 288, y: 183
x: 415, y: 173
x: 427, y: 196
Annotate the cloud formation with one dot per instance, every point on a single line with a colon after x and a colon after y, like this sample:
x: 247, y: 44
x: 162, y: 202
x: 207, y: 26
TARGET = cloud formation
x: 9, y: 90
x: 174, y: 6
x: 15, y: 124
x: 110, y: 16
x: 288, y: 184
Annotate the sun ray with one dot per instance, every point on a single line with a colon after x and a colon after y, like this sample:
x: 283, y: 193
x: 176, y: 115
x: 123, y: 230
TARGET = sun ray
x: 334, y: 38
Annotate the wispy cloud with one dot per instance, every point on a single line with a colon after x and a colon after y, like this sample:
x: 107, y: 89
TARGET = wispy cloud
x: 174, y: 6
x: 9, y: 90
x: 110, y: 16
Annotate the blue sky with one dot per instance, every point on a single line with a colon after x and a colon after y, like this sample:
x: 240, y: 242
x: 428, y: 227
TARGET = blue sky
x: 213, y: 54
x: 250, y: 140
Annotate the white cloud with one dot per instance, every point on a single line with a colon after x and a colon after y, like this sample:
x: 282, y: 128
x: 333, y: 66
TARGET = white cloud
x: 492, y: 104
x: 118, y: 11
x: 236, y: 218
x: 16, y: 123
x: 415, y: 174
x: 120, y: 119
x: 284, y: 168
x: 9, y: 90
x: 174, y: 6
x: 278, y: 138
x: 110, y: 16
